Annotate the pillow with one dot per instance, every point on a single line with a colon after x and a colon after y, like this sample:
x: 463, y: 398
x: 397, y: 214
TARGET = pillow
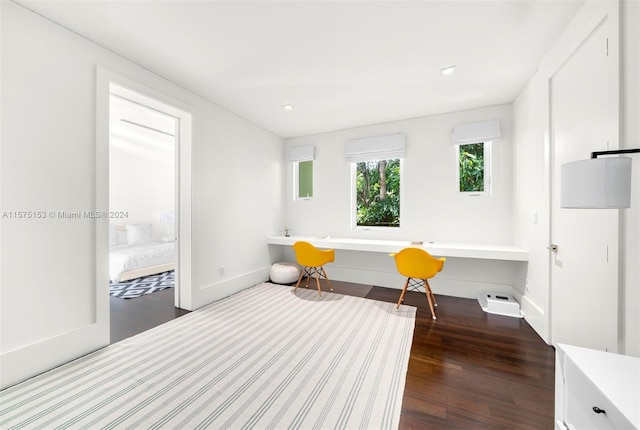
x: 113, y: 241
x: 121, y: 236
x: 138, y: 233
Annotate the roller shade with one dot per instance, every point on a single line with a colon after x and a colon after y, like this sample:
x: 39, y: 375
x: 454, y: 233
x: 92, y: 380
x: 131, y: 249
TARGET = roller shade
x: 302, y: 153
x: 376, y: 148
x: 476, y: 132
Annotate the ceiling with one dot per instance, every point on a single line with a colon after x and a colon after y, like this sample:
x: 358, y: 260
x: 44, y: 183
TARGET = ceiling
x: 341, y: 64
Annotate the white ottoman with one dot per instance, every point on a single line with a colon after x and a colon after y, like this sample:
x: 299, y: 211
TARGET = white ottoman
x: 284, y: 273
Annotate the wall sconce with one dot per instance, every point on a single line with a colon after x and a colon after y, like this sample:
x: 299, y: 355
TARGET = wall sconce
x: 597, y: 183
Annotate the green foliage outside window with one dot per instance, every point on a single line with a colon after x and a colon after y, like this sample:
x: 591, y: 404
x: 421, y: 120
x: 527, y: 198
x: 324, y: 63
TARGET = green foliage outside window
x: 472, y: 167
x: 305, y: 179
x: 378, y: 193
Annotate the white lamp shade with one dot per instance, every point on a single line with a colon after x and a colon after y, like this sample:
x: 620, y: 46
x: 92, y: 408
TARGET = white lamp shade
x: 596, y: 183
x: 168, y: 217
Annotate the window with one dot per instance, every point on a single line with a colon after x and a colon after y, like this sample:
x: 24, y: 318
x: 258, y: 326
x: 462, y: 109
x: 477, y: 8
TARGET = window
x: 302, y: 158
x: 473, y: 168
x: 473, y: 154
x: 376, y: 167
x: 303, y: 180
x: 377, y: 193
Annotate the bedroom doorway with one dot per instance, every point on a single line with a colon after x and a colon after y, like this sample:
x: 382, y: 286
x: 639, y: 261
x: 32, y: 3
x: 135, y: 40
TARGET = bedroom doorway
x: 149, y: 189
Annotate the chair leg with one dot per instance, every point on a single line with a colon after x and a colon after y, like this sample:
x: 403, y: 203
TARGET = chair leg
x: 427, y: 290
x: 318, y: 282
x: 325, y: 277
x: 302, y: 272
x: 309, y: 275
x: 404, y: 290
x: 435, y: 304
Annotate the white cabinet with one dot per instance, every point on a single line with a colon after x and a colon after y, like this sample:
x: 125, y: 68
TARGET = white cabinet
x: 596, y: 389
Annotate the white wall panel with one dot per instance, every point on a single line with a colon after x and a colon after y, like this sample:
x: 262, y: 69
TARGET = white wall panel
x: 433, y: 209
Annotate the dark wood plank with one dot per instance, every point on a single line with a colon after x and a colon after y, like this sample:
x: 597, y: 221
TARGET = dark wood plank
x: 467, y: 370
x: 132, y: 316
x: 472, y: 370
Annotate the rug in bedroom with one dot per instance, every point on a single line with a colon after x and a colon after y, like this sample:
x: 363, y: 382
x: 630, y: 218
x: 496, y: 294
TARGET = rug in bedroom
x: 141, y: 286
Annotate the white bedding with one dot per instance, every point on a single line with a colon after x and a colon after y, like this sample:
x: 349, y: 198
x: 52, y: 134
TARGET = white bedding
x: 123, y: 258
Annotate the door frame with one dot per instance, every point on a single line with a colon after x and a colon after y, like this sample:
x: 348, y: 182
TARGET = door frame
x: 595, y: 14
x: 108, y: 83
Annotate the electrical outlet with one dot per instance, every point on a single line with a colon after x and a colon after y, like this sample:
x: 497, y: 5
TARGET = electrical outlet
x: 221, y: 271
x: 526, y: 286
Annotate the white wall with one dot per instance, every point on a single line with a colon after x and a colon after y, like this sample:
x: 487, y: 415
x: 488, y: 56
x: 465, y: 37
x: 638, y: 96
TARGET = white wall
x: 432, y: 208
x: 531, y: 178
x: 48, y: 117
x: 531, y: 198
x: 48, y: 268
x: 238, y: 189
x: 141, y: 172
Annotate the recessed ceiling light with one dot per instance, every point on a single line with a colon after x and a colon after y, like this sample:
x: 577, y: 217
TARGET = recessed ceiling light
x: 287, y: 107
x: 448, y: 70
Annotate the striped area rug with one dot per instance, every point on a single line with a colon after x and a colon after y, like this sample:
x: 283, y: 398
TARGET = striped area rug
x: 263, y: 358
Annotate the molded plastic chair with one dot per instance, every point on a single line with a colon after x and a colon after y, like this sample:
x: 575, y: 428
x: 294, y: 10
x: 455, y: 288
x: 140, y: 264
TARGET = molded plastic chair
x: 418, y: 266
x: 312, y: 259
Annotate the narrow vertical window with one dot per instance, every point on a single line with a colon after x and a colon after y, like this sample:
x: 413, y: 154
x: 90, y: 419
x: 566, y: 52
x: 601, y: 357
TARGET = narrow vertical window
x: 302, y: 158
x: 473, y: 155
x: 303, y: 179
x: 473, y: 168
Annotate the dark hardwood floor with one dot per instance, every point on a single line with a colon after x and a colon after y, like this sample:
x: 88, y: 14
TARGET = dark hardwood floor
x: 132, y: 316
x: 472, y: 370
x: 467, y: 370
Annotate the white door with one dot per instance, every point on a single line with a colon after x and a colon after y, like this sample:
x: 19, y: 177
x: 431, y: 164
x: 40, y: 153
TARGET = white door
x: 584, y: 270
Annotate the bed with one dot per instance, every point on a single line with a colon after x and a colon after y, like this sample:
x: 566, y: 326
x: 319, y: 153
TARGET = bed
x: 138, y: 256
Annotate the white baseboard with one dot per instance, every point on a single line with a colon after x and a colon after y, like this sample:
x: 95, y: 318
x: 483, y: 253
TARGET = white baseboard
x: 229, y: 286
x: 440, y: 285
x: 447, y: 286
x: 536, y: 317
x: 30, y: 360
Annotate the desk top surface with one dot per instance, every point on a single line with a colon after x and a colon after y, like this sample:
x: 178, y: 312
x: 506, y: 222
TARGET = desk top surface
x: 440, y: 249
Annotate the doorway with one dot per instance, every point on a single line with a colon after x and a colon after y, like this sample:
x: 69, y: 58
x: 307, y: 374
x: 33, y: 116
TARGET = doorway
x: 142, y: 183
x: 170, y: 219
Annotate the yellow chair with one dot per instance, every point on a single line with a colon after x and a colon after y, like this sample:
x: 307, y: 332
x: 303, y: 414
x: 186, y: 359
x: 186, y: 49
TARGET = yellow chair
x: 418, y: 266
x: 312, y: 259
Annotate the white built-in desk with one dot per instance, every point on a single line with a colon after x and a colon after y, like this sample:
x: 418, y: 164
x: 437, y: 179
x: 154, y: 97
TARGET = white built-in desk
x: 459, y: 250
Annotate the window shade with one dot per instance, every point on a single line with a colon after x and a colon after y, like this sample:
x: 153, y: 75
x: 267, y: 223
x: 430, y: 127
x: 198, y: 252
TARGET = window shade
x: 376, y: 148
x: 476, y: 132
x: 302, y: 153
